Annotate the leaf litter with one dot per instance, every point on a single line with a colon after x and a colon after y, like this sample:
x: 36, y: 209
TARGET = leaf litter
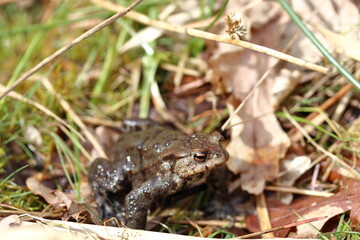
x: 261, y: 148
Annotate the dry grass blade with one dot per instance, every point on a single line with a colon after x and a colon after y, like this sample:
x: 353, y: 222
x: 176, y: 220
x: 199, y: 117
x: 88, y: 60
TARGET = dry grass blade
x: 281, y: 227
x: 45, y: 110
x: 76, y: 118
x: 210, y: 36
x: 160, y: 107
x: 87, y: 34
x: 264, y: 219
x: 326, y: 105
x: 299, y: 191
x: 317, y: 146
x: 102, y: 122
x: 237, y: 110
x: 186, y: 71
x: 215, y: 223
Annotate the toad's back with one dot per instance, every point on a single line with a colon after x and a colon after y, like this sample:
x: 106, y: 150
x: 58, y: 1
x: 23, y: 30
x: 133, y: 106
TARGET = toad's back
x: 142, y: 152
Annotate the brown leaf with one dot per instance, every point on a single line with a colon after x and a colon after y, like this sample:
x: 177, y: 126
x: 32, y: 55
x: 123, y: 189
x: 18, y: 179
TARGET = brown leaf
x: 81, y: 213
x: 342, y: 45
x: 56, y: 197
x: 307, y: 207
x: 259, y: 142
x: 291, y: 169
x: 40, y: 189
x: 63, y: 198
x: 335, y: 15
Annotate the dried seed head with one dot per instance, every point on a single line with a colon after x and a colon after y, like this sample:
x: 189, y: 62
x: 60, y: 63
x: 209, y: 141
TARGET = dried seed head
x: 235, y: 28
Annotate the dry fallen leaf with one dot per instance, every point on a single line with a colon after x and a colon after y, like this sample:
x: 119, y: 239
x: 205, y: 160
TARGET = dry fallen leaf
x: 348, y: 199
x: 259, y: 142
x: 9, y: 221
x: 335, y: 15
x: 63, y: 198
x: 284, y: 84
x: 39, y: 189
x: 291, y: 170
x: 58, y: 198
x: 341, y: 44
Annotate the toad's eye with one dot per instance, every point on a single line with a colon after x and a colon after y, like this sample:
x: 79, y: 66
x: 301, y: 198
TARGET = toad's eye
x: 200, y: 156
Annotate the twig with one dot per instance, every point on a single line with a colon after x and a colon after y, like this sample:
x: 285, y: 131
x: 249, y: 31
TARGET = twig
x: 70, y: 45
x: 338, y: 113
x: 315, y: 176
x: 196, y: 226
x: 210, y: 36
x: 317, y: 121
x: 135, y: 82
x: 333, y: 100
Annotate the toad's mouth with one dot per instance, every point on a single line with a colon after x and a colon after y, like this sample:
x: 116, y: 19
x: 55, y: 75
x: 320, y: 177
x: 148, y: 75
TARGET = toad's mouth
x: 204, y: 168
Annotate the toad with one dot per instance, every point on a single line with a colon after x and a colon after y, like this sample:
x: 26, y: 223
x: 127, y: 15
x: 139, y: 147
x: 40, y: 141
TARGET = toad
x: 150, y: 162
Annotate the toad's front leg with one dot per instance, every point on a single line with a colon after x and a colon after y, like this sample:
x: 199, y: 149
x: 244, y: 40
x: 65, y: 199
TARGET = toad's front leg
x: 139, y: 200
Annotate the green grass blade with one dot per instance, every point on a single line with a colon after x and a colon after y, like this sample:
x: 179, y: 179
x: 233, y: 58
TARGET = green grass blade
x: 87, y: 66
x: 65, y: 154
x: 218, y: 15
x: 317, y: 127
x: 13, y: 173
x: 106, y: 70
x: 150, y: 64
x: 34, y: 44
